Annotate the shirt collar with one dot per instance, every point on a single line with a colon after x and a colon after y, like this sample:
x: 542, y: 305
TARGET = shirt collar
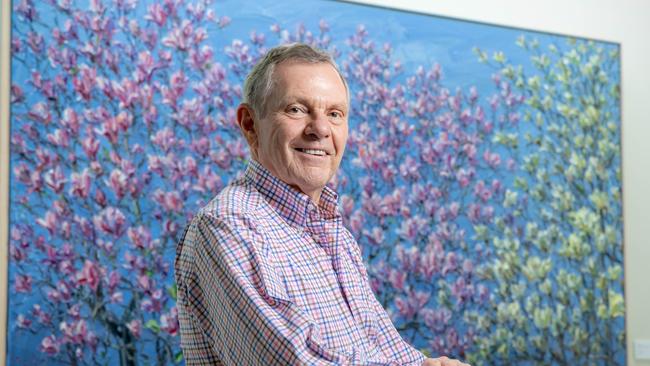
x: 294, y: 206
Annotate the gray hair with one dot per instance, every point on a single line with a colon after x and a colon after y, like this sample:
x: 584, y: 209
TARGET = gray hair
x: 259, y: 82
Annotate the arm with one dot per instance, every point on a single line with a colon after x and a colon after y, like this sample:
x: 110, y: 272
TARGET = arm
x: 389, y: 339
x: 238, y: 302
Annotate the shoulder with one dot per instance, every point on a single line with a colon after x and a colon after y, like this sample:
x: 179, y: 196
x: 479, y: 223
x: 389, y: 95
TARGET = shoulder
x: 237, y: 201
x: 231, y: 214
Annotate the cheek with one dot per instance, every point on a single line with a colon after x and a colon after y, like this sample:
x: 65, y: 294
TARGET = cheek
x: 278, y: 142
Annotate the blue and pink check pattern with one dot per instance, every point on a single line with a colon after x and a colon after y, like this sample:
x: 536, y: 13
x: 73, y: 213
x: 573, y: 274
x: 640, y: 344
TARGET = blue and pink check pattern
x: 266, y: 277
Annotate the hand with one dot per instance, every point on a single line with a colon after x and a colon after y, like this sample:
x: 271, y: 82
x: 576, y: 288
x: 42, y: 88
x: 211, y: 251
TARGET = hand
x: 443, y: 361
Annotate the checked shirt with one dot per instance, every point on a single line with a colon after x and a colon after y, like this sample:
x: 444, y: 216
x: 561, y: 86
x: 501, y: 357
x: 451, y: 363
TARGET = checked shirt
x: 266, y: 277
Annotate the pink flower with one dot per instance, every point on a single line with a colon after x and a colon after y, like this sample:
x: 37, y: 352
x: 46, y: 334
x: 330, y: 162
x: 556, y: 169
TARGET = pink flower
x: 224, y: 21
x: 22, y: 322
x: 75, y: 332
x: 117, y: 297
x: 180, y: 37
x: 191, y: 111
x: 165, y: 139
x: 80, y: 184
x: 356, y: 221
x: 17, y: 254
x: 454, y: 208
x: 397, y: 279
x: 347, y: 203
x: 59, y: 138
x: 90, y: 145
x: 436, y: 320
x: 43, y: 317
x: 36, y: 42
x: 23, y: 284
x: 50, y: 345
x: 100, y: 197
x: 410, y: 168
x: 26, y: 9
x: 452, y: 338
x: 85, y: 82
x: 412, y: 304
x: 89, y: 275
x: 144, y: 282
x: 157, y: 14
x: 451, y: 263
x: 208, y: 181
x: 135, y: 327
x: 200, y: 59
x: 127, y: 92
x: 408, y: 258
x: 461, y: 290
x: 411, y: 227
x: 483, y: 293
x: 50, y: 222
x: 468, y: 266
x: 124, y: 120
x: 474, y: 212
x: 110, y: 221
x: 55, y: 179
x: 201, y: 146
x: 118, y: 181
x: 464, y: 176
x: 189, y: 167
x: 17, y: 94
x: 140, y: 237
x: 169, y: 322
x: 40, y: 113
x: 376, y: 235
x: 492, y: 159
x: 482, y: 192
x: 113, y: 280
x: 70, y: 120
x: 221, y: 158
x: 170, y: 201
x: 146, y: 66
x: 64, y: 290
x: 110, y: 130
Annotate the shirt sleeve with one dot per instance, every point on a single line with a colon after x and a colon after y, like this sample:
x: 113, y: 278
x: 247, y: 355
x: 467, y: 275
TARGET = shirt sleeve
x: 389, y: 340
x: 229, y: 291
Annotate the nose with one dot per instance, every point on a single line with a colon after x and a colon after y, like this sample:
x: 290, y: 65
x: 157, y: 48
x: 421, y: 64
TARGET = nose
x: 318, y: 127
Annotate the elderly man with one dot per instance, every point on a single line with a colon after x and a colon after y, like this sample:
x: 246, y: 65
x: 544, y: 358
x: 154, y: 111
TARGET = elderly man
x: 266, y: 273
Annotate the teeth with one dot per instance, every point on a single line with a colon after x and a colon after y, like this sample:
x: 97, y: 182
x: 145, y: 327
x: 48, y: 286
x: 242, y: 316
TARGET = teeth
x: 313, y: 152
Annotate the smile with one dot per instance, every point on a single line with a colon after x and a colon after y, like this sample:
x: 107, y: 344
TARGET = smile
x: 316, y: 152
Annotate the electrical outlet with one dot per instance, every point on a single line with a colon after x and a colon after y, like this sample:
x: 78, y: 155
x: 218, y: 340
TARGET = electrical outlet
x: 642, y: 349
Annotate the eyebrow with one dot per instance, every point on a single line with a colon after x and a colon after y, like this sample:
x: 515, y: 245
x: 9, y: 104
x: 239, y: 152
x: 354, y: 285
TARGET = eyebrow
x: 335, y: 105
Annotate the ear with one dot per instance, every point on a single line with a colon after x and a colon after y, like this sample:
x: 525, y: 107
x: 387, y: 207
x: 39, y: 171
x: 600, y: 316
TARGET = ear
x: 246, y: 122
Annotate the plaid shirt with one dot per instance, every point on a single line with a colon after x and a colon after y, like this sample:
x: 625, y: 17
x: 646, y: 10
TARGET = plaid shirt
x: 265, y: 277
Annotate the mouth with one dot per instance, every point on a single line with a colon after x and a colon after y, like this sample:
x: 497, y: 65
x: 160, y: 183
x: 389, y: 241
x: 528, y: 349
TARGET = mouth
x: 315, y: 152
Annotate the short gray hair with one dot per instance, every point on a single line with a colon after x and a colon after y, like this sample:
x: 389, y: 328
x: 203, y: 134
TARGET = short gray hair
x: 259, y: 82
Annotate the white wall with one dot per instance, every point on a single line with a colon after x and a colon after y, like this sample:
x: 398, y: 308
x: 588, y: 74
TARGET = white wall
x: 628, y: 23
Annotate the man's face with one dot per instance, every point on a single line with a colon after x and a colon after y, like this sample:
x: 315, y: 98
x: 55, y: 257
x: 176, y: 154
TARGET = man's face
x: 302, y: 136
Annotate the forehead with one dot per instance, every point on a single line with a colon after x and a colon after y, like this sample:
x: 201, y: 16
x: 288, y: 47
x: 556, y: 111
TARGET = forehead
x: 319, y: 79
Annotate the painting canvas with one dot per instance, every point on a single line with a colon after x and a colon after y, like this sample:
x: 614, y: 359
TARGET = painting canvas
x: 482, y: 177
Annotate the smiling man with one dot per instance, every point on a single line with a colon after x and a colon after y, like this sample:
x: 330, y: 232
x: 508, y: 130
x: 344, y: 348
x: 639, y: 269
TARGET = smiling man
x: 266, y: 273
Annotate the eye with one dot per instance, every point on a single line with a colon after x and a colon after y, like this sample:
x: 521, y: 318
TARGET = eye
x: 294, y: 109
x: 336, y: 114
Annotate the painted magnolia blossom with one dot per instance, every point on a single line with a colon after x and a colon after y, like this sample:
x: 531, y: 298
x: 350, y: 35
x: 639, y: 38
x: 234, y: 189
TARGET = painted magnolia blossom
x: 489, y: 219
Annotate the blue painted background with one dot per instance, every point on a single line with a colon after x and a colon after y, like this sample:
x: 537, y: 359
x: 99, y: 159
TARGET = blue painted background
x: 482, y: 177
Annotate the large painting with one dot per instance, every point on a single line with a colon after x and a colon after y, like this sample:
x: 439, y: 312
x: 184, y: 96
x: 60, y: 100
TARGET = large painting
x: 482, y: 178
